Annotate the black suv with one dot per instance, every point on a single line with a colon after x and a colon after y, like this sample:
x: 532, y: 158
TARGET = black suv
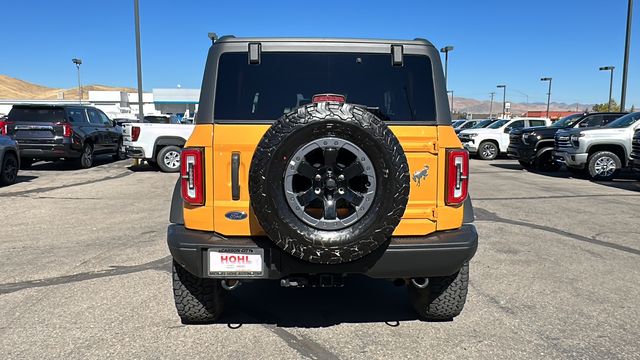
x: 70, y: 132
x: 533, y: 146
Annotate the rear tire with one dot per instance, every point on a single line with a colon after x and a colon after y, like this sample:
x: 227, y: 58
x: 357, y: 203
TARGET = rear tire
x: 488, y: 150
x: 197, y: 300
x: 85, y: 160
x: 120, y: 152
x: 603, y: 165
x: 9, y: 169
x: 443, y: 298
x: 168, y: 159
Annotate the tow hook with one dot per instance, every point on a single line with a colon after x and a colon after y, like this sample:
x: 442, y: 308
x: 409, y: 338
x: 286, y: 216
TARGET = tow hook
x: 420, y: 283
x: 230, y: 284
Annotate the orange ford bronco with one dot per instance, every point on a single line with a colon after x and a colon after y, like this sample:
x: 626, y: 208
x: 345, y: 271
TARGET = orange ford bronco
x: 313, y: 159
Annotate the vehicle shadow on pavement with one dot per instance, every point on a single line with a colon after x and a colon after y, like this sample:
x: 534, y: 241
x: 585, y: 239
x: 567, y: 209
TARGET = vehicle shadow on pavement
x: 361, y: 300
x: 69, y: 165
x: 142, y: 168
x: 25, y: 178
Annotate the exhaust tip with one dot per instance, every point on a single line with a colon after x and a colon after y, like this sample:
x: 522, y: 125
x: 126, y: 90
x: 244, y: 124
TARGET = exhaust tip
x: 420, y: 283
x: 230, y: 284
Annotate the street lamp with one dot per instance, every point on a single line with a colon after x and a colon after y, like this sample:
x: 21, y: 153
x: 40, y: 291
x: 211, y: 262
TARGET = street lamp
x: 627, y: 44
x: 451, y: 91
x: 609, y: 68
x: 446, y: 50
x: 548, y: 94
x: 78, y: 62
x: 504, y: 99
x: 136, y: 14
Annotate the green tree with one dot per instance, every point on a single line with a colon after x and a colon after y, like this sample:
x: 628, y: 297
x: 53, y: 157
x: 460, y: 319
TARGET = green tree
x: 633, y: 108
x: 605, y: 106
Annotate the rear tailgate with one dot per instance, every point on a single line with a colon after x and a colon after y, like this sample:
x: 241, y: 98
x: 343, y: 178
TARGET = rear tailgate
x: 36, y: 125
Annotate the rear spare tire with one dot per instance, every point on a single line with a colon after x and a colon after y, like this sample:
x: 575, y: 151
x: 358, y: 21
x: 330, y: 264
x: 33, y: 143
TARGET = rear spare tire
x: 329, y: 182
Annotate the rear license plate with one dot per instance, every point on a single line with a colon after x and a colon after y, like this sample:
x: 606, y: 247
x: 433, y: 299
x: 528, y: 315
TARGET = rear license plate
x: 236, y: 262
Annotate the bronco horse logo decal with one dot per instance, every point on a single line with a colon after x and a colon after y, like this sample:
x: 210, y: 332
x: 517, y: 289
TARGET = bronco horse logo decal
x: 420, y: 174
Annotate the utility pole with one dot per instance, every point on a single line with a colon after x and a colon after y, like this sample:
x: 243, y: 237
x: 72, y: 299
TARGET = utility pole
x: 136, y: 14
x: 491, y: 105
x: 446, y: 50
x: 627, y: 45
x: 548, y: 93
x: 504, y: 99
x: 78, y: 62
x: 609, y: 68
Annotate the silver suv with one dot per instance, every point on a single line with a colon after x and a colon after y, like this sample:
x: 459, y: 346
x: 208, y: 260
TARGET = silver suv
x: 598, y: 152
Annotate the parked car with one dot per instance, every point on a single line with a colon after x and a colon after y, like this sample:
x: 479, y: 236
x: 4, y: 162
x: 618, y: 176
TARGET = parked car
x: 158, y: 141
x: 487, y: 143
x: 466, y: 124
x: 533, y: 147
x: 598, y: 152
x: 72, y: 132
x: 481, y: 124
x: 635, y: 151
x: 9, y: 159
x: 306, y: 192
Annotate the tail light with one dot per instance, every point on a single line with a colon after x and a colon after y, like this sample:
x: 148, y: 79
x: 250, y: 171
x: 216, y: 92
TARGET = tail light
x: 67, y: 130
x: 135, y: 133
x: 457, y: 176
x: 328, y: 97
x: 192, y: 176
x: 4, y: 125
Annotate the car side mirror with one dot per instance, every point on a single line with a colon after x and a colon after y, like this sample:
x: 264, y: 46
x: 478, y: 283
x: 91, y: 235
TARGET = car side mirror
x: 507, y: 129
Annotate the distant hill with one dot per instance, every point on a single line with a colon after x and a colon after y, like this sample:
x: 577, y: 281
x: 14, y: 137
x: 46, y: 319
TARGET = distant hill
x: 466, y: 105
x: 16, y: 89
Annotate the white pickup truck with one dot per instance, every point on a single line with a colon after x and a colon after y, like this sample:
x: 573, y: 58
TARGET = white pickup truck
x: 487, y: 143
x: 158, y: 140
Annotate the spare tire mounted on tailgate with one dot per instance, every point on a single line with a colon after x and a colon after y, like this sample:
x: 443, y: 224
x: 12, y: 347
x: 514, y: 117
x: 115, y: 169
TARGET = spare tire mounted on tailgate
x: 329, y: 182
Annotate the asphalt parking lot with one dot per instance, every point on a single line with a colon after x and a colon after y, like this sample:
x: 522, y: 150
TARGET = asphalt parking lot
x: 85, y: 274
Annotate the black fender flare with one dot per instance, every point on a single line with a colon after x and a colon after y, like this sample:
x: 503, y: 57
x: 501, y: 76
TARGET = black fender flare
x: 176, y: 215
x: 167, y: 140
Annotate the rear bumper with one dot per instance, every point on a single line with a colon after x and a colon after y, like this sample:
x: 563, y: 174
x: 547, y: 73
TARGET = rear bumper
x: 438, y: 254
x: 48, y: 151
x: 574, y: 160
x: 135, y: 152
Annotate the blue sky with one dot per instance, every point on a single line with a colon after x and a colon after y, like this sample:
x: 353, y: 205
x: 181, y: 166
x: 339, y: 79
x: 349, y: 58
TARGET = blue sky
x: 511, y: 42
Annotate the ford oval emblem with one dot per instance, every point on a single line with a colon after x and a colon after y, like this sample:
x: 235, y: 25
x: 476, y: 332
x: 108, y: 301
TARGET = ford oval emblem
x: 236, y: 215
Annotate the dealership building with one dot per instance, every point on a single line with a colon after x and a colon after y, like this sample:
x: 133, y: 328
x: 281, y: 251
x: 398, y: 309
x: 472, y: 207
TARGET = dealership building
x: 120, y: 104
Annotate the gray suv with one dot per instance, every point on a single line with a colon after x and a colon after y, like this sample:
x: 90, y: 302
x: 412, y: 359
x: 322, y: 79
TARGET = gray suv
x: 598, y: 152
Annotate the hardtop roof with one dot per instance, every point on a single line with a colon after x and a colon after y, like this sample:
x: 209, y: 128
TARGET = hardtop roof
x: 232, y: 39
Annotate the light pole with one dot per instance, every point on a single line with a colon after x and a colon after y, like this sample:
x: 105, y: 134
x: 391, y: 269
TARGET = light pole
x: 548, y: 93
x: 491, y: 105
x: 451, y: 91
x: 504, y: 98
x: 136, y: 14
x: 627, y: 45
x: 446, y: 50
x: 78, y: 62
x: 609, y: 68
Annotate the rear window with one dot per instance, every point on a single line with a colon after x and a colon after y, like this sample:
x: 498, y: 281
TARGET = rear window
x: 284, y: 81
x: 157, y: 119
x: 35, y: 114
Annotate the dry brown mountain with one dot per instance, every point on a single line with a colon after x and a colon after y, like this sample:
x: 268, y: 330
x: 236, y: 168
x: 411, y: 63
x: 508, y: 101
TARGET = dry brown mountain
x: 16, y: 89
